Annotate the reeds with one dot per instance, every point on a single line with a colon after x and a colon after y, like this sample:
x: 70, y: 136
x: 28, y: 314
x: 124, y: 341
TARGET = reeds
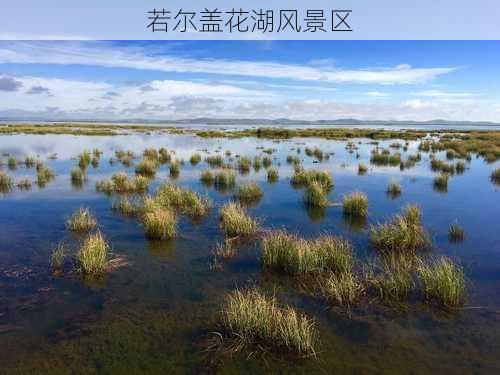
x: 44, y: 175
x: 159, y: 223
x: 175, y: 168
x: 23, y: 184
x: 215, y: 161
x: 456, y: 233
x: 185, y: 201
x: 244, y: 164
x: 394, y: 189
x: 195, y: 159
x: 249, y: 192
x: 82, y: 220
x: 12, y: 162
x: 224, y: 178
x: 146, y: 167
x: 6, y: 182
x: 78, y: 176
x: 355, y: 204
x: 121, y: 183
x: 267, y: 161
x: 29, y: 161
x: 440, y: 182
x: 404, y: 233
x: 236, y: 222
x: 207, y: 177
x: 272, y: 175
x: 316, y: 195
x: 57, y: 257
x: 343, y: 289
x: 294, y: 255
x: 125, y: 206
x: 443, y: 282
x: 84, y: 159
x: 92, y: 256
x: 254, y: 318
x: 304, y: 177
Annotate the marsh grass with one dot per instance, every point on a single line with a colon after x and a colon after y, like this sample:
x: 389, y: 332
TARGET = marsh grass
x: 82, y: 220
x: 159, y: 223
x: 12, y: 162
x: 92, y: 256
x: 175, y: 168
x: 84, y: 159
x: 344, y: 289
x: 272, y: 175
x: 120, y: 182
x: 440, y: 182
x: 207, y: 178
x: 254, y: 318
x: 146, y: 167
x: 443, y: 282
x: 394, y: 190
x: 57, y: 257
x: 460, y: 167
x: 316, y: 195
x: 78, y: 176
x: 185, y: 201
x: 164, y: 156
x: 225, y: 249
x: 236, y: 222
x: 6, y: 182
x: 215, y: 161
x: 362, y: 169
x: 225, y: 178
x: 294, y: 255
x: 125, y: 206
x: 355, y: 204
x: 456, y: 233
x: 303, y: 178
x: 23, y: 184
x: 29, y: 161
x: 195, y: 159
x: 244, y: 164
x: 392, y: 277
x: 267, y: 161
x: 404, y: 233
x: 44, y: 175
x: 385, y: 158
x: 249, y: 192
x: 441, y: 166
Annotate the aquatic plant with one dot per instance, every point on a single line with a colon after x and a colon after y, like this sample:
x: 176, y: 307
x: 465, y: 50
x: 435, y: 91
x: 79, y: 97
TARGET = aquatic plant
x: 343, y: 289
x: 175, y: 168
x: 394, y: 189
x: 304, y: 177
x: 316, y: 195
x: 253, y: 318
x: 82, y: 220
x: 443, y: 282
x: 441, y: 166
x: 393, y: 281
x: 92, y: 256
x: 441, y: 182
x: 362, y: 169
x: 404, y: 233
x: 495, y: 176
x: 272, y: 175
x: 385, y: 158
x: 125, y: 206
x: 267, y: 161
x: 195, y: 159
x: 12, y: 162
x: 249, y: 192
x: 23, y: 184
x: 294, y: 255
x: 460, y: 167
x: 84, y: 159
x: 207, y: 177
x: 6, y: 182
x: 225, y: 249
x: 151, y: 153
x: 29, y: 161
x: 146, y: 167
x: 185, y: 201
x: 355, y: 204
x: 224, y: 178
x: 57, y: 257
x: 456, y: 233
x: 44, y: 175
x: 236, y: 222
x: 244, y: 164
x: 215, y: 161
x: 78, y: 176
x: 159, y: 223
x: 164, y: 156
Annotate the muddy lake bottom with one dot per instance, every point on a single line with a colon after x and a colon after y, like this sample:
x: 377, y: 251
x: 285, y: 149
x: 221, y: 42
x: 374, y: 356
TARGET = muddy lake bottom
x: 160, y: 311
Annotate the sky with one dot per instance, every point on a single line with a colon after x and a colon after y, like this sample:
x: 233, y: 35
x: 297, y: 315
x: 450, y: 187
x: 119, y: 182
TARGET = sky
x: 301, y: 80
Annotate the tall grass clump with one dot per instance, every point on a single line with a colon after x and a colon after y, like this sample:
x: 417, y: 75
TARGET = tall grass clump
x: 304, y: 177
x: 343, y: 289
x: 195, y: 159
x: 394, y: 189
x: 316, y: 195
x: 125, y: 206
x: 44, y: 175
x: 92, y: 257
x: 443, y: 282
x: 160, y: 223
x: 225, y: 178
x: 404, y: 233
x: 362, y: 169
x: 441, y: 182
x: 272, y: 175
x: 294, y: 255
x: 254, y: 318
x: 12, y: 162
x: 460, y: 167
x: 267, y: 161
x: 84, y: 159
x: 29, y: 161
x: 164, y: 156
x: 355, y: 204
x: 6, y: 182
x: 183, y: 200
x: 244, y: 164
x: 207, y: 178
x: 78, y: 176
x: 249, y: 192
x: 393, y: 281
x: 175, y: 168
x: 82, y: 220
x: 57, y: 257
x: 23, y: 184
x: 236, y: 222
x: 146, y: 167
x: 215, y: 161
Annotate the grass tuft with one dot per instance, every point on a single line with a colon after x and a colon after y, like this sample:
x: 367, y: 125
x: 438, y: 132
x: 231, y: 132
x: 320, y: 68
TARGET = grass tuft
x: 316, y: 195
x: 81, y: 220
x: 159, y: 223
x: 355, y: 204
x: 236, y: 222
x: 272, y: 175
x: 249, y: 192
x: 92, y: 257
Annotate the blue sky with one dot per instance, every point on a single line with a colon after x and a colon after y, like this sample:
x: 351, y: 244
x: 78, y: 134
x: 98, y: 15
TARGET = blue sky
x: 310, y: 80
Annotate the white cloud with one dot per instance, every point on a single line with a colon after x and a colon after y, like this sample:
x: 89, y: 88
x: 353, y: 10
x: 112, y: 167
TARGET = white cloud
x: 108, y: 55
x: 377, y: 94
x: 443, y: 94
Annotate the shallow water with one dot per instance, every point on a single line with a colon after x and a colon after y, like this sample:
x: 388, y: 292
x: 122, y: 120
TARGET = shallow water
x: 156, y: 313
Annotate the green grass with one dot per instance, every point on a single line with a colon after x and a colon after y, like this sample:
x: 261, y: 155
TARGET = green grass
x: 304, y: 177
x: 343, y: 289
x: 244, y: 164
x: 125, y: 206
x: 254, y: 318
x: 78, y: 176
x: 82, y: 220
x: 12, y: 162
x: 393, y: 281
x: 355, y: 204
x: 362, y: 169
x: 460, y: 167
x: 164, y: 156
x: 207, y: 177
x: 57, y: 257
x: 236, y: 222
x: 385, y: 158
x: 92, y: 256
x: 215, y: 161
x: 316, y: 195
x: 195, y: 159
x: 6, y: 182
x: 175, y: 168
x: 225, y: 249
x: 121, y: 183
x: 404, y: 233
x: 146, y: 167
x: 151, y: 154
x: 394, y: 189
x: 249, y: 192
x: 185, y: 201
x: 84, y: 159
x: 159, y: 223
x: 294, y: 255
x: 272, y: 175
x: 442, y: 166
x: 44, y: 175
x: 440, y: 182
x: 29, y: 161
x: 443, y: 282
x: 456, y: 233
x: 225, y: 178
x: 267, y: 161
